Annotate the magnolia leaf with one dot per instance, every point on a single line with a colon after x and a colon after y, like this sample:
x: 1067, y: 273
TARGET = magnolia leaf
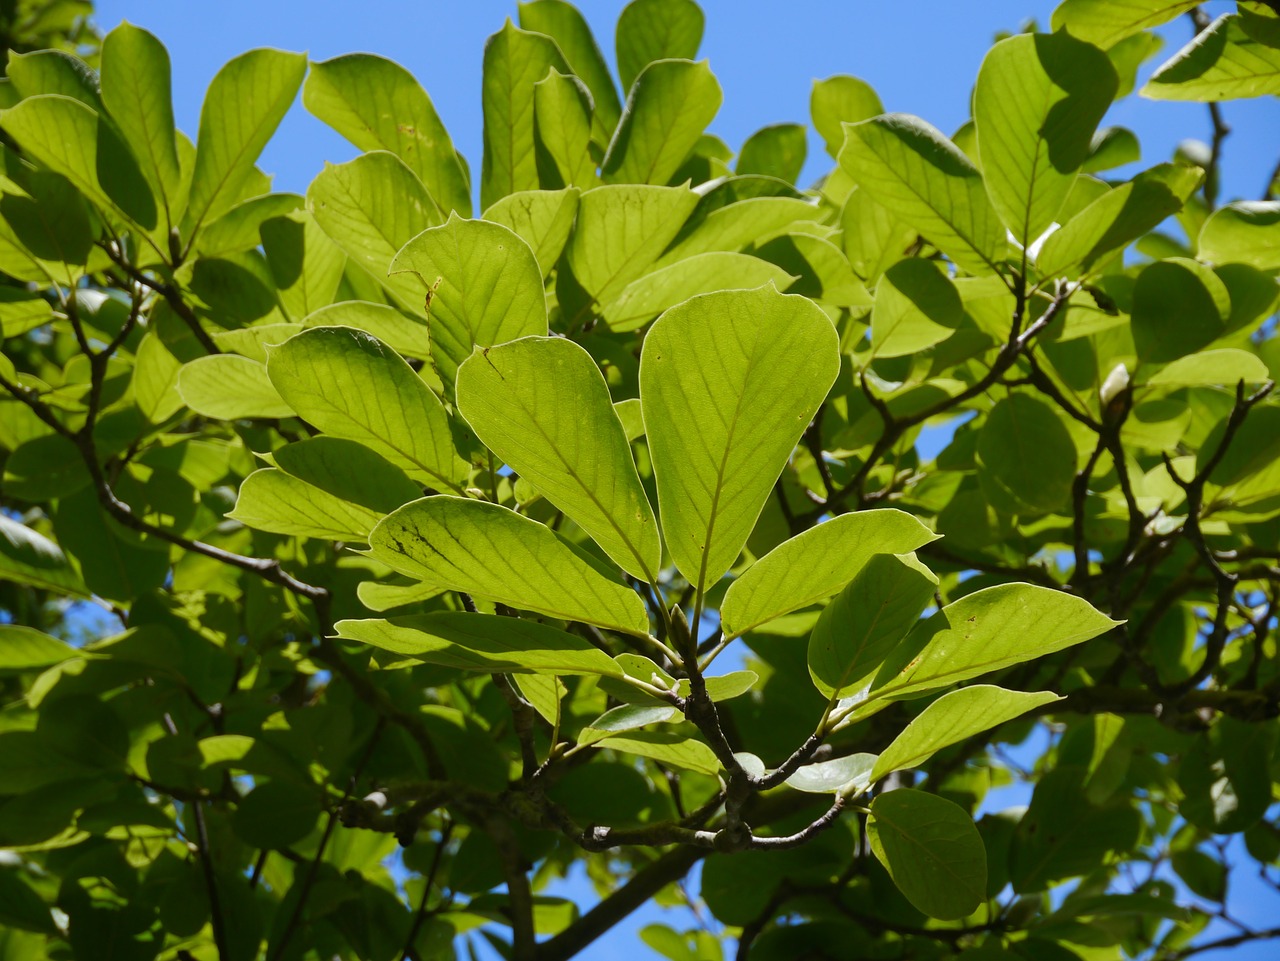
x: 837, y: 101
x: 564, y: 24
x: 1105, y: 22
x: 407, y: 335
x: 541, y: 405
x: 774, y: 151
x: 542, y: 219
x: 851, y: 773
x: 916, y: 307
x: 1026, y: 456
x: 1245, y: 232
x: 650, y: 30
x: 271, y: 500
x: 562, y: 106
x: 228, y: 387
x: 728, y: 383
x: 667, y: 747
x: 1224, y: 62
x: 494, y: 553
x: 626, y: 717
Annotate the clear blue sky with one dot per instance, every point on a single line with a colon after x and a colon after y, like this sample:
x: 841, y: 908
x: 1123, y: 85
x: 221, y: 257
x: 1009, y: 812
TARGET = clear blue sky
x: 921, y: 57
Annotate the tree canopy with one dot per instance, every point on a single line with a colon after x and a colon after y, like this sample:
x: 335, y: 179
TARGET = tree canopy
x: 373, y: 559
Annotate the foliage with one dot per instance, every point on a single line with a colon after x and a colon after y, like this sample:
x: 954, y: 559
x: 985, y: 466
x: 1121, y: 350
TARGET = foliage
x: 368, y: 567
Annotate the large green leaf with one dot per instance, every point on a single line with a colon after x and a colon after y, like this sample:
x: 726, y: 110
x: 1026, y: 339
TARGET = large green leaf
x: 56, y: 72
x: 866, y: 620
x: 494, y: 553
x: 1117, y: 218
x: 921, y: 177
x: 774, y: 151
x: 371, y: 207
x: 837, y: 101
x: 349, y: 384
x: 650, y: 30
x: 228, y: 387
x: 562, y: 107
x: 28, y: 557
x: 564, y: 24
x: 951, y: 719
x: 1026, y: 457
x: 306, y: 265
x: 983, y: 632
x: 1179, y: 306
x: 816, y: 564
x: 916, y: 307
x: 136, y: 92
x: 514, y: 60
x: 670, y: 105
x: 667, y: 747
x: 271, y: 500
x: 1105, y: 23
x: 742, y: 224
x: 348, y: 470
x: 408, y: 336
x: 621, y: 231
x: 1037, y: 103
x: 728, y: 383
x: 482, y: 642
x: 1224, y: 62
x: 245, y: 103
x: 542, y: 219
x: 932, y: 850
x: 69, y: 138
x: 1245, y: 232
x: 277, y: 814
x: 486, y: 283
x: 542, y: 405
x: 378, y: 105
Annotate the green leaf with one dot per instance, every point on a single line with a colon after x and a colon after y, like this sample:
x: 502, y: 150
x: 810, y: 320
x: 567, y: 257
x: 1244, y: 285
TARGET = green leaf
x: 155, y: 379
x: 1223, y: 62
x: 932, y: 850
x: 1224, y: 367
x: 271, y: 500
x: 667, y: 747
x: 916, y: 307
x: 112, y: 567
x: 406, y: 335
x: 866, y: 620
x: 228, y: 387
x: 277, y: 814
x: 496, y: 554
x: 775, y: 151
x: 740, y: 225
x: 837, y: 101
x: 305, y: 264
x: 542, y: 218
x: 1206, y: 876
x: 621, y: 231
x: 873, y: 238
x: 348, y: 470
x: 542, y: 405
x: 482, y: 642
x: 1106, y: 22
x: 372, y: 207
x: 71, y: 139
x: 31, y: 558
x: 951, y: 719
x: 922, y: 178
x: 1244, y: 232
x: 568, y: 28
x: 136, y: 92
x: 245, y: 103
x: 239, y: 229
x: 851, y: 773
x: 812, y: 566
x: 24, y: 648
x: 645, y: 298
x: 1179, y: 306
x: 487, y: 288
x: 349, y: 384
x: 1117, y: 218
x: 670, y: 105
x: 562, y: 107
x: 1037, y: 103
x: 1026, y: 457
x: 728, y: 383
x: 1226, y: 777
x: 1110, y: 148
x: 650, y: 30
x: 377, y: 105
x: 984, y: 632
x: 625, y: 717
x: 54, y: 72
x: 514, y: 60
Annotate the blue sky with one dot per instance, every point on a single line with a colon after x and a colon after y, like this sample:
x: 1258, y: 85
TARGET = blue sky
x: 921, y: 57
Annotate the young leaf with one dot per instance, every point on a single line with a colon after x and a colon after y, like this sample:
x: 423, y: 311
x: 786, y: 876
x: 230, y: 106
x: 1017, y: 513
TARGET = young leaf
x: 1224, y: 62
x: 837, y: 101
x: 867, y: 620
x: 922, y: 178
x: 952, y: 718
x: 932, y: 850
x: 136, y: 92
x: 812, y: 566
x: 650, y: 30
x: 541, y: 405
x: 851, y: 773
x: 514, y: 60
x: 486, y: 283
x: 1037, y: 103
x: 1026, y: 457
x: 916, y: 307
x: 564, y: 24
x: 667, y: 747
x: 246, y: 102
x: 496, y: 554
x: 371, y: 207
x: 626, y: 717
x: 378, y: 105
x: 670, y: 105
x: 349, y: 384
x: 482, y: 642
x: 728, y: 383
